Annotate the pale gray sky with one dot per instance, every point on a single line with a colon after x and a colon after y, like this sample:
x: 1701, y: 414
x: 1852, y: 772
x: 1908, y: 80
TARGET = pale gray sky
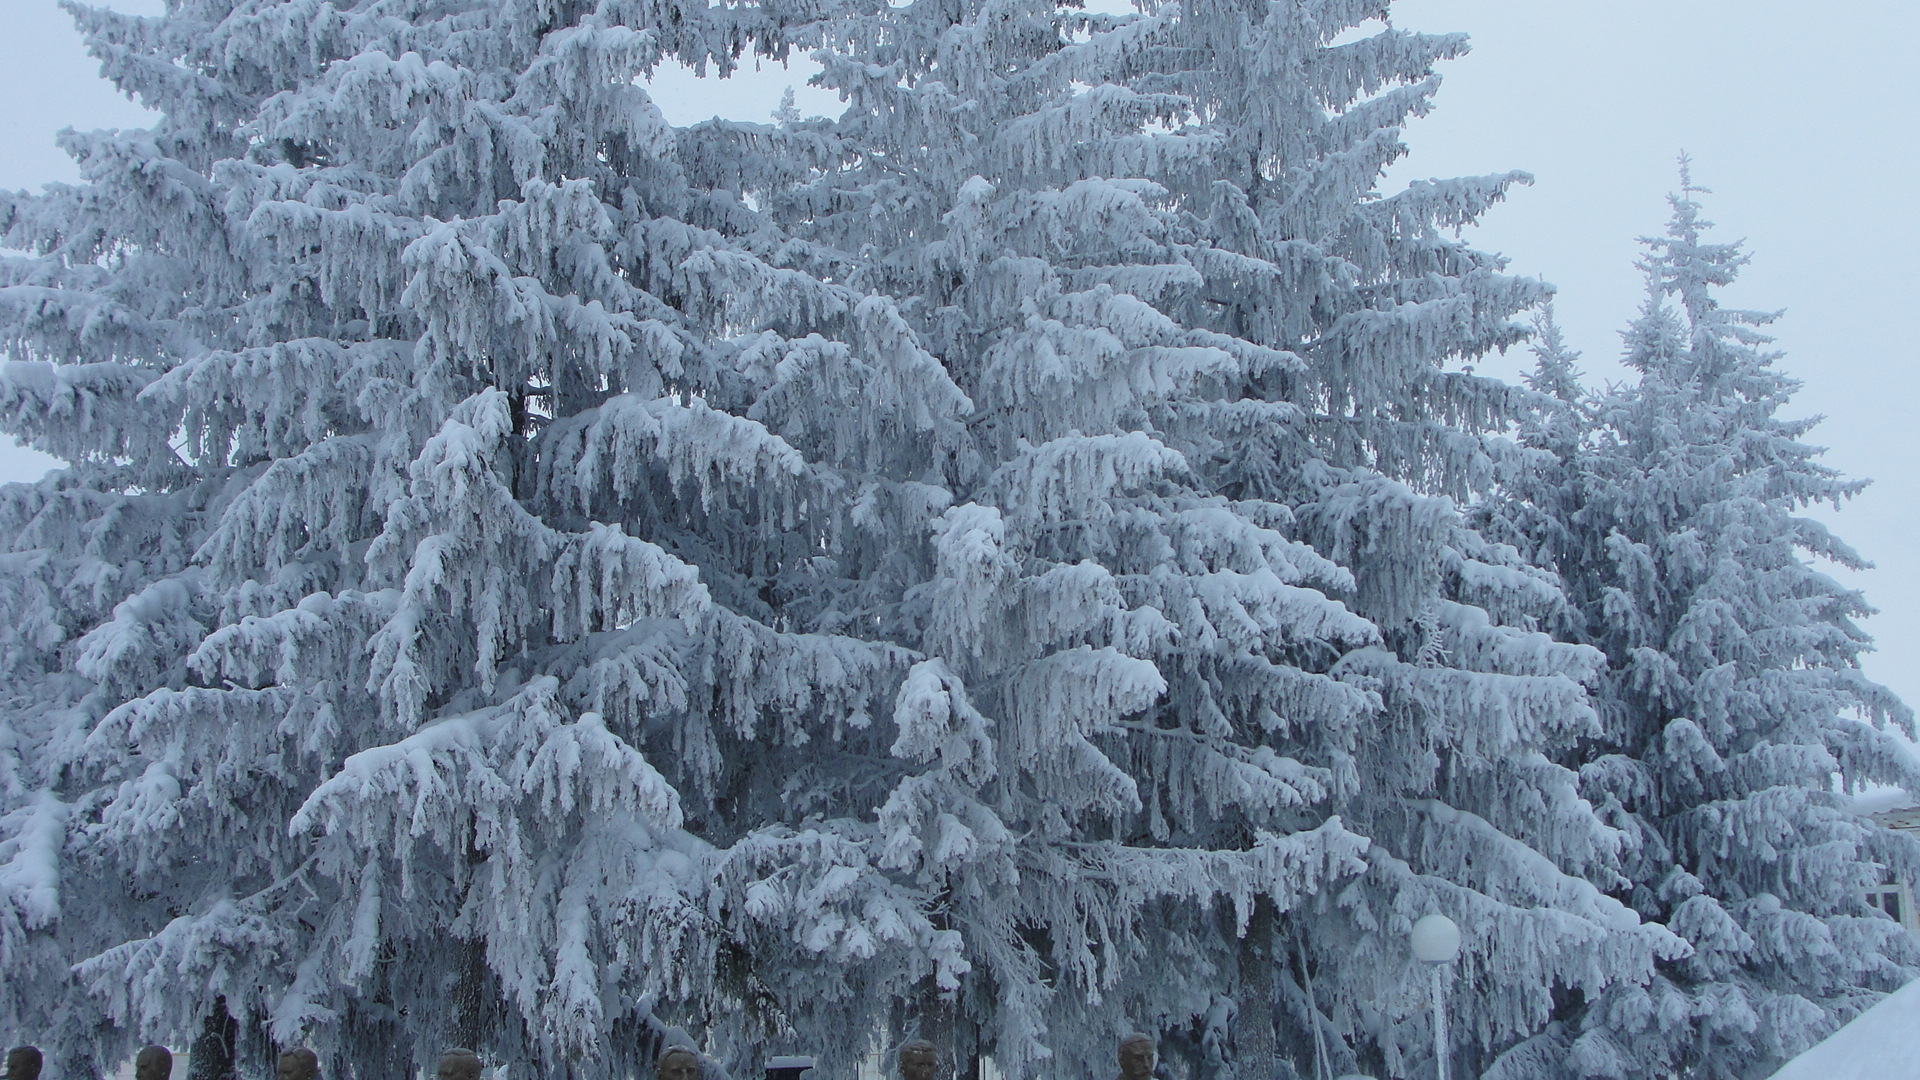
x: 1801, y: 117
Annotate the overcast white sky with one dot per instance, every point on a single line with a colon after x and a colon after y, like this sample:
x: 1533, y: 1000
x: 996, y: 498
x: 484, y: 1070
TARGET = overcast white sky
x: 1801, y: 117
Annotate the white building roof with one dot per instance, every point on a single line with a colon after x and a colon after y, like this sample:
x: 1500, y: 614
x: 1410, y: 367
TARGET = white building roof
x: 1882, y: 1043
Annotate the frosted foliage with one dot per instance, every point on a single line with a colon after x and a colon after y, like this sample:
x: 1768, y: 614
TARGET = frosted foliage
x: 401, y: 653
x: 1736, y: 718
x: 1203, y: 585
x: 987, y: 566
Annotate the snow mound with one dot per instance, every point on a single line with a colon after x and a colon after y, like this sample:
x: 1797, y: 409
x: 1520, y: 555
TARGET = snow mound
x: 1880, y: 800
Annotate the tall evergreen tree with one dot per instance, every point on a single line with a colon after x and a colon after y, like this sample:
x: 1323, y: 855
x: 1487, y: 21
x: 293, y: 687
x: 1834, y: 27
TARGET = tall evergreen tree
x: 1149, y: 251
x: 409, y: 652
x: 1736, y: 715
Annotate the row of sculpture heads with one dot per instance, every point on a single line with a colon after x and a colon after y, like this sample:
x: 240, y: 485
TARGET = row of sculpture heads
x: 151, y: 1063
x: 298, y: 1063
x: 918, y: 1060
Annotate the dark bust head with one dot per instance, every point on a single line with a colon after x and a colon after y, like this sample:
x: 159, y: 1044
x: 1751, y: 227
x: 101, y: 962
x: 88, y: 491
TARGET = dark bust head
x: 678, y: 1063
x: 1138, y: 1055
x: 298, y: 1063
x: 23, y: 1063
x: 153, y: 1063
x: 919, y: 1060
x: 459, y: 1063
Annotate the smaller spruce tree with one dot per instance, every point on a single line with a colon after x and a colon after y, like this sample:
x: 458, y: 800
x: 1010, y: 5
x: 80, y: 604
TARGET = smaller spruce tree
x: 1736, y: 714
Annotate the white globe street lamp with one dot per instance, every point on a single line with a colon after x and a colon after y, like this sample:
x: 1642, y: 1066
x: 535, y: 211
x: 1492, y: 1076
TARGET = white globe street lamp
x: 1436, y: 940
x: 1436, y: 943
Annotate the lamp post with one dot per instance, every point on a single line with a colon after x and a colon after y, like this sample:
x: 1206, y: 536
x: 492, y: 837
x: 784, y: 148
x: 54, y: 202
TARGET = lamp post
x: 1436, y: 943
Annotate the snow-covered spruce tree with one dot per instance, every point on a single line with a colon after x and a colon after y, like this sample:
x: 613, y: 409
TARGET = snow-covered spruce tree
x: 1735, y: 711
x: 422, y: 645
x: 491, y: 543
x: 1146, y: 248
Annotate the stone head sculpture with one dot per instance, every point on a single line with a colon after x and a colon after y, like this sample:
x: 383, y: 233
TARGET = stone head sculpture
x: 919, y: 1060
x: 678, y: 1063
x: 1138, y: 1055
x: 458, y: 1063
x: 153, y: 1063
x: 23, y: 1063
x: 298, y: 1063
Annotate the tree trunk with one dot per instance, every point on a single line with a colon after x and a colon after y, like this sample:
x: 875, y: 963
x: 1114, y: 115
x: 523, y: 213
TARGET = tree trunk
x: 1253, y: 1034
x: 470, y: 1017
x: 211, y: 1055
x: 933, y: 1021
x: 469, y: 1024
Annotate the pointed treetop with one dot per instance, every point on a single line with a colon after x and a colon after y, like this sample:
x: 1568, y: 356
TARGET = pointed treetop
x: 1554, y: 370
x: 1681, y: 263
